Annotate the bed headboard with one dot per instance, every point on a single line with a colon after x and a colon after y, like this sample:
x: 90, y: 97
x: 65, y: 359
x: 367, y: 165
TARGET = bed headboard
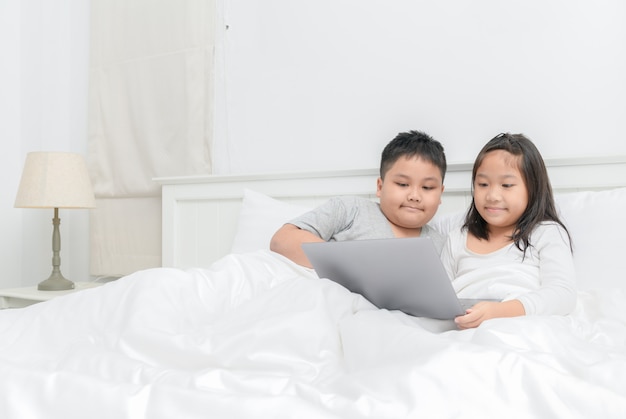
x: 200, y: 213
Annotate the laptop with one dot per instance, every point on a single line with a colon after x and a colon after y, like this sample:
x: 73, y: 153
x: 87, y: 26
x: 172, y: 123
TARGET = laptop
x: 396, y: 274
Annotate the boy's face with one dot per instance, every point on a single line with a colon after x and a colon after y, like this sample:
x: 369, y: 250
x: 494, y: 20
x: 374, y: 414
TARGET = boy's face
x: 410, y: 194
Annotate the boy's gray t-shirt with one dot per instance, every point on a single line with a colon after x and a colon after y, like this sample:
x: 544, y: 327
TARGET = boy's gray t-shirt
x: 353, y: 218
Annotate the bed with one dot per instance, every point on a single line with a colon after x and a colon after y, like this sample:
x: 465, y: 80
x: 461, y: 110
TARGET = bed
x: 228, y: 329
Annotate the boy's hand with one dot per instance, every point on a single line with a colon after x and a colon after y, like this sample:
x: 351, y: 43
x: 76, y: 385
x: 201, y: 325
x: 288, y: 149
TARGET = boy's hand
x: 486, y: 310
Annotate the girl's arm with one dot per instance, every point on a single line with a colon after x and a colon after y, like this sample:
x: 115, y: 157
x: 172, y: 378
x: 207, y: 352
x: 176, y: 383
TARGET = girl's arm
x: 557, y: 292
x: 486, y: 310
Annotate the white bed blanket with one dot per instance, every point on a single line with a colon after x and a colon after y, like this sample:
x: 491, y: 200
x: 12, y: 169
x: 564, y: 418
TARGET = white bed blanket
x: 257, y: 336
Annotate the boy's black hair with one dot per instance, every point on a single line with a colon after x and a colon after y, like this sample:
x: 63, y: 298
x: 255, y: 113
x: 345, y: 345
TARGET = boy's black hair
x: 541, y: 206
x: 413, y: 144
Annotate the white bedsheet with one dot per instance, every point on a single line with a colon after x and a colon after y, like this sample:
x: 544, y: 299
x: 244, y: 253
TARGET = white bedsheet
x: 257, y: 336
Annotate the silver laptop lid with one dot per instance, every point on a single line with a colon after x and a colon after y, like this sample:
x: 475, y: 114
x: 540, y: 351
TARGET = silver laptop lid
x: 396, y: 274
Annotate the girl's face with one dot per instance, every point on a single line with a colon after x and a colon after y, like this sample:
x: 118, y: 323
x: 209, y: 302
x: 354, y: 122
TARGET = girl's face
x: 500, y: 194
x: 410, y: 194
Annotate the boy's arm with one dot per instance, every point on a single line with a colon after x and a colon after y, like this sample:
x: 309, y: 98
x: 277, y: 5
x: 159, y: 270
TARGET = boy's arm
x: 287, y: 241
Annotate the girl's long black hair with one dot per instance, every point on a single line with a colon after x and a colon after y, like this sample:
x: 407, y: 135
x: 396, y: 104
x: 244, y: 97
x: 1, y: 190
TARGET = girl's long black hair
x: 541, y: 206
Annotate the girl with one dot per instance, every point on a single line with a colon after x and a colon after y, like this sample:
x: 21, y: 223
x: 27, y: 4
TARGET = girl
x: 512, y: 246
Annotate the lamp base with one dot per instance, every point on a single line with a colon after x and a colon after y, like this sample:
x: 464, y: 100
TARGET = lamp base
x: 56, y: 282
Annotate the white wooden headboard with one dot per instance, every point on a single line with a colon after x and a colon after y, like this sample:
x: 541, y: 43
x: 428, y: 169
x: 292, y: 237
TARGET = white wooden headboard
x: 200, y: 213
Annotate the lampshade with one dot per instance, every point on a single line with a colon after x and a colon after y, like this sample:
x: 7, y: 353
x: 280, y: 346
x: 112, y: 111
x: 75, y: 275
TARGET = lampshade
x: 55, y: 180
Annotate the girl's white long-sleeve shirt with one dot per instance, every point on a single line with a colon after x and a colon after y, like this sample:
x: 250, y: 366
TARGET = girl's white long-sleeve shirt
x: 544, y: 280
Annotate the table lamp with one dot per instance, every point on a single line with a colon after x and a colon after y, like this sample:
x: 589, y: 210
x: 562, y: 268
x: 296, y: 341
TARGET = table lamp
x: 55, y: 180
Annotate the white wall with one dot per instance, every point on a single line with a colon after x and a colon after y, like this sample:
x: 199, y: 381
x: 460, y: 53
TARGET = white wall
x: 323, y: 85
x: 326, y: 84
x: 43, y: 81
x: 10, y: 158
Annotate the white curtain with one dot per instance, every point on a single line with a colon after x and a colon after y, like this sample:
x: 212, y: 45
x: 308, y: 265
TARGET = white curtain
x: 150, y: 115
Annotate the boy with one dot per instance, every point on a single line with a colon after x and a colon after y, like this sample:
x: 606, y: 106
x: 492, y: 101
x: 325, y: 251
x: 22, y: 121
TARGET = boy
x: 412, y: 170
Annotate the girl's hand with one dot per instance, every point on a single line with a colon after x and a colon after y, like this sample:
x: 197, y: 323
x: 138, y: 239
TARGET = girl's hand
x: 486, y: 310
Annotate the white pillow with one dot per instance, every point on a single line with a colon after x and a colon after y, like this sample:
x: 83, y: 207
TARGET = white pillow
x: 595, y: 221
x: 259, y: 219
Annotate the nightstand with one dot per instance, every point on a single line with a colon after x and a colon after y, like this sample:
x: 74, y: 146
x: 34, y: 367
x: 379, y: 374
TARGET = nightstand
x: 22, y: 297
